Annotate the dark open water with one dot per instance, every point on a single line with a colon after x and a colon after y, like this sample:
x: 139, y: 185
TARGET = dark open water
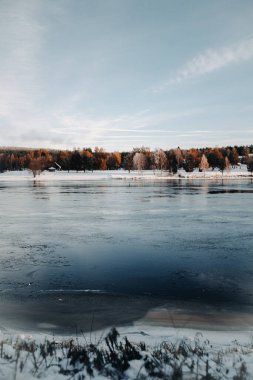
x: 107, y: 242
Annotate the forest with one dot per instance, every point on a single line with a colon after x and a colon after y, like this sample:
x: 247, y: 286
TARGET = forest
x: 142, y: 158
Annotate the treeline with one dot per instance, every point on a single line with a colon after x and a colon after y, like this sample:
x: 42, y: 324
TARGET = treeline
x: 138, y: 159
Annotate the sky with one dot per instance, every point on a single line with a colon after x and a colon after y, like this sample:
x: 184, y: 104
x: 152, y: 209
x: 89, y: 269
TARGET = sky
x: 121, y: 74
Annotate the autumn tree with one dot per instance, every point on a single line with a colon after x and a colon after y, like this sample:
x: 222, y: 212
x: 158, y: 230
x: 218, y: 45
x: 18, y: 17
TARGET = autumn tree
x: 233, y: 157
x: 36, y: 166
x: 100, y: 159
x: 118, y: 159
x: 160, y: 159
x: 87, y: 159
x: 103, y: 164
x: 149, y: 156
x: 215, y: 158
x: 114, y: 161
x: 63, y: 159
x: 192, y: 160
x: 179, y: 157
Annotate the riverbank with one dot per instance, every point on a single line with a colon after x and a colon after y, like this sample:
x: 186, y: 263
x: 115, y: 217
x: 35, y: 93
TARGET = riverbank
x: 189, y: 337
x: 145, y: 175
x: 133, y: 352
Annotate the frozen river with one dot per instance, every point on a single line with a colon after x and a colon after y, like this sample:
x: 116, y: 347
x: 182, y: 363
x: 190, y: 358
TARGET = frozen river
x: 107, y: 241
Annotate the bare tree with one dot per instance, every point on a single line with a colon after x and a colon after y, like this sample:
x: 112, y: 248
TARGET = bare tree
x: 227, y: 164
x: 36, y: 166
x: 161, y: 161
x: 139, y: 161
x: 204, y: 165
x: 250, y: 165
x: 179, y: 157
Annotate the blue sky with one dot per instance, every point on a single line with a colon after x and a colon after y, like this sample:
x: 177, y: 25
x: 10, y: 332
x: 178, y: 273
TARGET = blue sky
x: 122, y: 74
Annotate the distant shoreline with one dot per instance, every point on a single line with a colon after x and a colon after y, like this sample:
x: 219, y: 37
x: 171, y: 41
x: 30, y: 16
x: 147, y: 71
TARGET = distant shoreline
x: 145, y: 175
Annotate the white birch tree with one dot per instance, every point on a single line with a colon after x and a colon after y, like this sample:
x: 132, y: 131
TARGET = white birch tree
x: 160, y: 159
x: 227, y: 165
x: 204, y: 165
x: 139, y: 161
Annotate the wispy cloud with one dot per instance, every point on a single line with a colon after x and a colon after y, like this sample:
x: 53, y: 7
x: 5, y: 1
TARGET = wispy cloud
x: 87, y: 90
x: 209, y: 61
x: 125, y: 127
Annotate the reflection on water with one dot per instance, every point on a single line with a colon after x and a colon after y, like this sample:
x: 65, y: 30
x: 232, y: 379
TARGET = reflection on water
x: 176, y: 240
x: 231, y: 191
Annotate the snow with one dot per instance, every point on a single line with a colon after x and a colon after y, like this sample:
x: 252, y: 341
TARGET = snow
x: 235, y: 347
x: 147, y: 175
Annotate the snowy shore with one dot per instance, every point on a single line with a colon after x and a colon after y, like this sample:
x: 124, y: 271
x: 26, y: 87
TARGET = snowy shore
x: 148, y: 352
x: 145, y: 175
x: 158, y: 345
x: 155, y: 346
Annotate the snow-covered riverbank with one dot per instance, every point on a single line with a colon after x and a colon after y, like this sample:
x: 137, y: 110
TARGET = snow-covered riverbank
x: 146, y: 352
x: 146, y: 175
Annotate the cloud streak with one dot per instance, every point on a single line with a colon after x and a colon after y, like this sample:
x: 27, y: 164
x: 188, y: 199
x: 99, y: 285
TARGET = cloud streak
x: 123, y: 126
x: 65, y: 130
x: 211, y: 60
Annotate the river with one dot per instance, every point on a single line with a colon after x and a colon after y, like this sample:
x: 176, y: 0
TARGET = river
x: 118, y: 248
